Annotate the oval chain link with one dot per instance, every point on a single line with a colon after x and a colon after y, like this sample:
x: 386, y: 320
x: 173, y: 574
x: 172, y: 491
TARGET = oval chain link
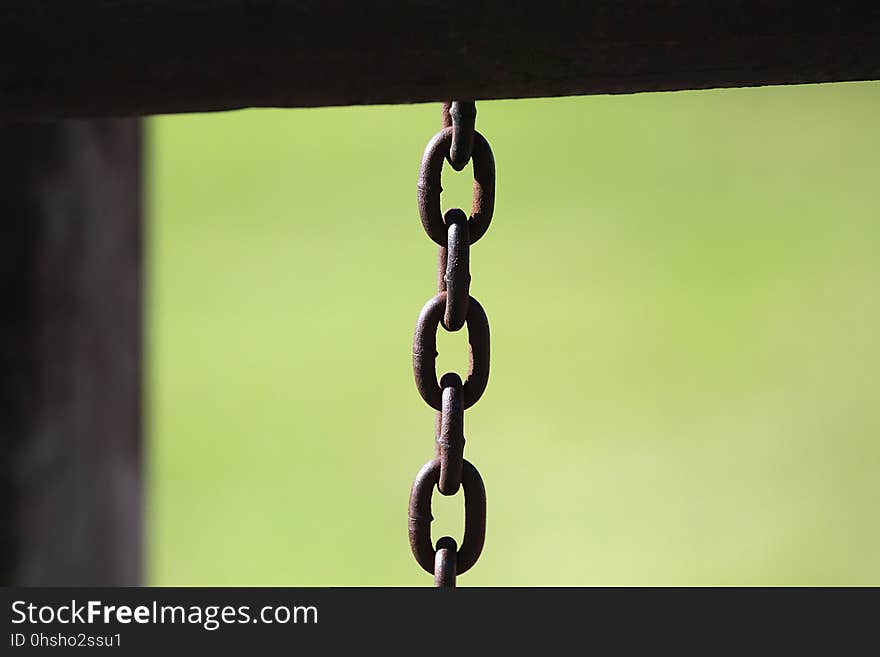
x: 461, y: 115
x: 456, y: 270
x: 429, y: 187
x: 420, y: 517
x: 450, y: 435
x: 425, y: 352
x: 444, y: 562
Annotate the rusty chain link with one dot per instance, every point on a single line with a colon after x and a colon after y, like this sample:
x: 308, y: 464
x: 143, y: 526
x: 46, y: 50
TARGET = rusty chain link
x: 429, y: 188
x: 425, y: 352
x: 450, y: 434
x: 444, y: 562
x: 461, y: 116
x: 420, y: 516
x: 452, y: 308
x: 456, y: 275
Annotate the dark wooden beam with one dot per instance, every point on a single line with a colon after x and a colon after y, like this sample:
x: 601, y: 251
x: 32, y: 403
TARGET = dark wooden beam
x: 70, y: 346
x: 127, y: 57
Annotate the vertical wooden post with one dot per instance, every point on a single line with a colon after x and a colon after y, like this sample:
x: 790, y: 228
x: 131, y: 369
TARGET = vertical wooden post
x: 70, y: 353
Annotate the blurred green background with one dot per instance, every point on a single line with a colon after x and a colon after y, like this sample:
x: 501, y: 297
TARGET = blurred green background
x: 683, y: 295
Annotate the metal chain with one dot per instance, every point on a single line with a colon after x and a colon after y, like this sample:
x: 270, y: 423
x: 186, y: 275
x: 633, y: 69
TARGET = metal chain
x: 452, y: 308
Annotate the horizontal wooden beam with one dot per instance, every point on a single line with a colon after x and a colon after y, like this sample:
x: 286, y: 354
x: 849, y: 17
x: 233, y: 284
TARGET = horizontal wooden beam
x: 124, y: 57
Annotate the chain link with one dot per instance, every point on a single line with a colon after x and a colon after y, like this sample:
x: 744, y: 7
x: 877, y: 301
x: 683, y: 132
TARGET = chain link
x: 452, y: 308
x: 425, y: 352
x: 429, y: 187
x: 420, y: 516
x: 461, y: 116
x: 450, y: 434
x: 456, y: 275
x: 444, y: 562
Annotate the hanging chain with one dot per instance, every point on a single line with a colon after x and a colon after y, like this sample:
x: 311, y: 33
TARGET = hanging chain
x: 452, y: 308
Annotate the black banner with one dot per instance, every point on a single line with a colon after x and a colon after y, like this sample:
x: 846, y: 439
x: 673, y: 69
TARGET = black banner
x: 453, y: 621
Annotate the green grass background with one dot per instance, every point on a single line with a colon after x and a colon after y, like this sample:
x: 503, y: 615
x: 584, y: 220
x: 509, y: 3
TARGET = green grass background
x: 683, y: 295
